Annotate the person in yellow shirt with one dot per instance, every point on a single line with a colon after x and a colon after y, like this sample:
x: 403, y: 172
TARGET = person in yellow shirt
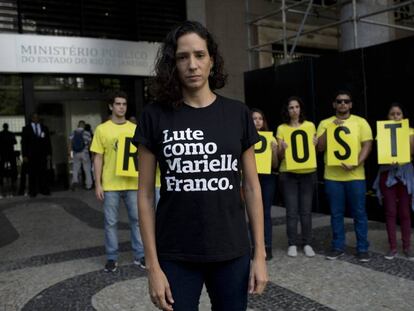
x: 110, y: 188
x: 297, y: 185
x: 345, y: 184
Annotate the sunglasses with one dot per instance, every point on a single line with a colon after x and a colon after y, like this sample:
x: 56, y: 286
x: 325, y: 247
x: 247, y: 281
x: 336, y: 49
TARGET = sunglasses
x: 340, y: 101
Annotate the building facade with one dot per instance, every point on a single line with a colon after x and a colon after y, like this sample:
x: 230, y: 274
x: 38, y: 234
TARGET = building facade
x: 61, y: 59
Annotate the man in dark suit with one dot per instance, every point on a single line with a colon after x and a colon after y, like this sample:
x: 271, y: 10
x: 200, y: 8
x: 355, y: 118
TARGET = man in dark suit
x: 36, y: 150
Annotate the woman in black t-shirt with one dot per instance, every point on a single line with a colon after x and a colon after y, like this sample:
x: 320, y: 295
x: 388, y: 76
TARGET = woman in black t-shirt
x: 202, y: 141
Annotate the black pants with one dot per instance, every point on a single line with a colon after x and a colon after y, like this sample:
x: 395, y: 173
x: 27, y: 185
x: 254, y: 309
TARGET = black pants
x: 37, y: 168
x: 298, y: 193
x: 8, y: 173
x: 226, y: 283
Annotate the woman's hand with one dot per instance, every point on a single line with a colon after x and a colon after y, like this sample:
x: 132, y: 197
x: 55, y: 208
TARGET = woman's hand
x: 273, y: 145
x: 159, y: 290
x: 258, y: 276
x: 283, y: 145
x: 315, y: 140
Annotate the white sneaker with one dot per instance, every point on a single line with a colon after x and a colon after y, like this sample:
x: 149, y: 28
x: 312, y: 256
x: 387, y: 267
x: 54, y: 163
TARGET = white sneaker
x: 308, y: 250
x: 292, y: 251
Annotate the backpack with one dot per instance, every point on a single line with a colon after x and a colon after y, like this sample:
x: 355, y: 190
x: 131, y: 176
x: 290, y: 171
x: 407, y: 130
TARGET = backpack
x: 78, y: 144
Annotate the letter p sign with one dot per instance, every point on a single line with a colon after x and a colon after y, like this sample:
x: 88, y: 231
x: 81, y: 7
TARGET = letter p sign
x: 263, y: 153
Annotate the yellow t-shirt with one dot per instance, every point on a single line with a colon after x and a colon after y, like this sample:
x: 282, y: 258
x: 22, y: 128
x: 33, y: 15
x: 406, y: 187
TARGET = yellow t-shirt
x: 337, y: 173
x: 281, y: 134
x: 105, y: 141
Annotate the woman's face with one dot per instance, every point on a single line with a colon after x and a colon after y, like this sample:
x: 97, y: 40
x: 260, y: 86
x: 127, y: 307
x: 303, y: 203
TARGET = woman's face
x: 294, y: 109
x: 193, y: 62
x: 257, y: 120
x: 395, y: 114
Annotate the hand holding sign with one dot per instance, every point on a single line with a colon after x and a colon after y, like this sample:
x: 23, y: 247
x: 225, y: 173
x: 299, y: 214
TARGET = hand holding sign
x: 347, y: 167
x: 338, y: 121
x: 342, y: 144
x: 315, y: 140
x: 283, y: 145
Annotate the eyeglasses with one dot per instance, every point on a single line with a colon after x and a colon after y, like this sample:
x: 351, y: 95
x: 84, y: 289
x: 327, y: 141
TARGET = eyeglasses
x: 340, y: 101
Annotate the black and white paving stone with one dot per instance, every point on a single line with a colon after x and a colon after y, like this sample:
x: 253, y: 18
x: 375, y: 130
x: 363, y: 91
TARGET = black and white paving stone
x: 52, y: 255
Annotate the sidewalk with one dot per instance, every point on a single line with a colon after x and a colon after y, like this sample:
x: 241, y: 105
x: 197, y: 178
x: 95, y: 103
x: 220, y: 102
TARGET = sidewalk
x: 52, y: 257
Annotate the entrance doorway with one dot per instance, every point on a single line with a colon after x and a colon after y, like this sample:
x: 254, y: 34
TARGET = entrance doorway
x: 62, y: 119
x: 62, y: 101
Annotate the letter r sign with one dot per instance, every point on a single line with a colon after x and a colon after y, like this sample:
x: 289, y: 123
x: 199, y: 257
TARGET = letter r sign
x: 127, y: 157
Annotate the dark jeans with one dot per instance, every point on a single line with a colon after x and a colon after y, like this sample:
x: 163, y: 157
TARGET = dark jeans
x: 38, y: 181
x: 226, y: 283
x: 268, y: 186
x: 352, y: 192
x: 396, y: 201
x: 23, y: 173
x: 298, y: 193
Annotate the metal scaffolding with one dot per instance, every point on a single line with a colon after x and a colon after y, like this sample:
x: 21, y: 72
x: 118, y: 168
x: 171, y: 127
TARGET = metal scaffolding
x: 325, y: 13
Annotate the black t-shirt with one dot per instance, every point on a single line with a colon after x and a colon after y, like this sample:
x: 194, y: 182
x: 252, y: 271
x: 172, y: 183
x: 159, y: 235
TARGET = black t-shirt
x: 200, y: 216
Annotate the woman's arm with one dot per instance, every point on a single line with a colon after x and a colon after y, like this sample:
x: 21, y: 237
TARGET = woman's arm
x: 159, y: 288
x: 281, y: 148
x: 275, y: 159
x: 253, y: 197
x: 321, y: 145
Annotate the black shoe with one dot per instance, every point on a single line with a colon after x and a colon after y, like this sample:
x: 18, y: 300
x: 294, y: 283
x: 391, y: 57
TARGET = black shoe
x: 363, y: 256
x: 140, y: 262
x: 111, y: 266
x: 334, y: 254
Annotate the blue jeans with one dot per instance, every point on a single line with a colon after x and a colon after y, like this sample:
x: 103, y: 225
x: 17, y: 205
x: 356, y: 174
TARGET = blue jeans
x: 352, y: 192
x: 111, y: 208
x: 226, y: 283
x: 268, y: 186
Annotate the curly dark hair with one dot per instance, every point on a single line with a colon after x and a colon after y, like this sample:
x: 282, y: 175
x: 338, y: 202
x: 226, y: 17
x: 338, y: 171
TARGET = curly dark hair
x: 285, y: 110
x: 166, y: 86
x: 265, y: 126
